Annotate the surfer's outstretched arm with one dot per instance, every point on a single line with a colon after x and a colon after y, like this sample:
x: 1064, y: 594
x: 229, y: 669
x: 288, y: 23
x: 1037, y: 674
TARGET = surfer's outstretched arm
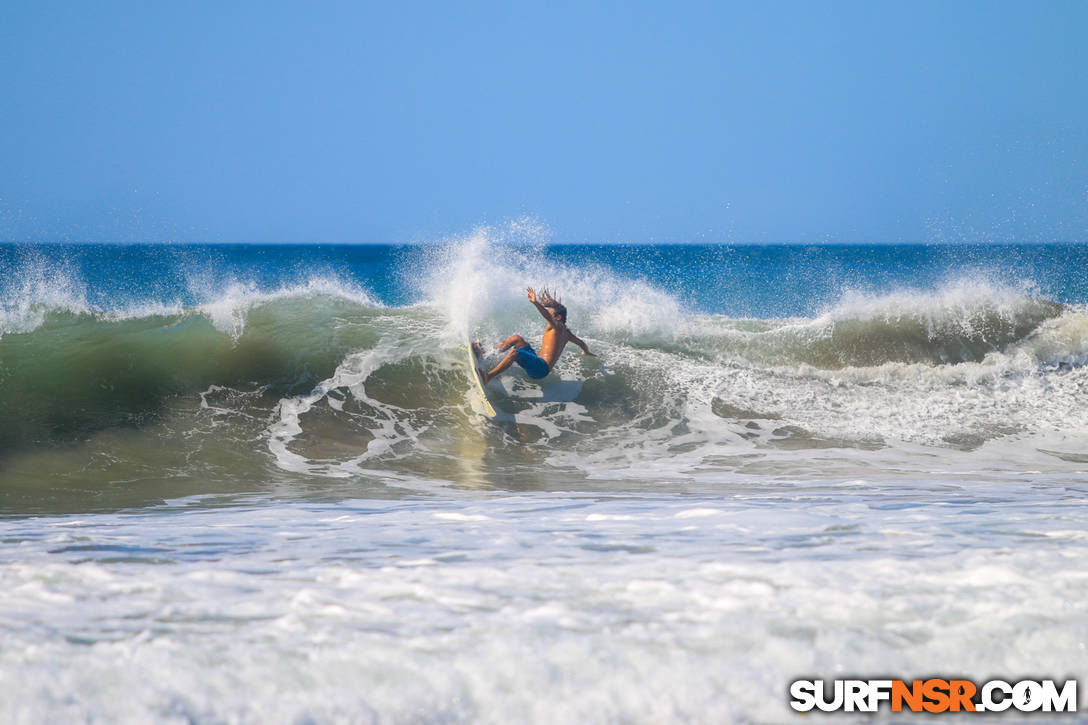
x: 544, y: 311
x: 578, y: 341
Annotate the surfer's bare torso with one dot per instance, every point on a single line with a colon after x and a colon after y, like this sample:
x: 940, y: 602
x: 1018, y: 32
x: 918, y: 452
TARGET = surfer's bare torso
x: 555, y: 338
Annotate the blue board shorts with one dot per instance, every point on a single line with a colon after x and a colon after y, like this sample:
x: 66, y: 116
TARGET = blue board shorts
x: 532, y: 363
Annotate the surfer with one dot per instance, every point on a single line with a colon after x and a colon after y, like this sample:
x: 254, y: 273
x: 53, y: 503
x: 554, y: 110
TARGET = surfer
x: 556, y: 336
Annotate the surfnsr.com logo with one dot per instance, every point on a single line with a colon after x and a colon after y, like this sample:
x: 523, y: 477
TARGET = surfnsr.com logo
x: 934, y: 695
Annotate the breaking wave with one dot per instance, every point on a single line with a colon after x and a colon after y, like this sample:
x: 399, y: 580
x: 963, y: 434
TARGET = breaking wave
x: 321, y: 378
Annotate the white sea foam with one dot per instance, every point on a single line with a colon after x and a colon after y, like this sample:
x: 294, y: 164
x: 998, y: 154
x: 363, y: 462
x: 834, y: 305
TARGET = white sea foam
x: 536, y: 608
x: 37, y: 288
x: 956, y: 304
x: 227, y: 306
x: 387, y: 425
x: 481, y: 280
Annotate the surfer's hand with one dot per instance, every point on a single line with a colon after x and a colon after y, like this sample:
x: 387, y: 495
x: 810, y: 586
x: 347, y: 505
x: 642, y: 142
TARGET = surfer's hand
x: 531, y: 294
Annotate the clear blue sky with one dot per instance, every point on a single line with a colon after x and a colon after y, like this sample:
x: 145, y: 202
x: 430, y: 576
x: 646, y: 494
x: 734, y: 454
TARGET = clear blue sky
x: 608, y: 122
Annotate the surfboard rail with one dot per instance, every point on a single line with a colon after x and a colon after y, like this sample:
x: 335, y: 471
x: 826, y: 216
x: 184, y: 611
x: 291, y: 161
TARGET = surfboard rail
x: 479, y: 391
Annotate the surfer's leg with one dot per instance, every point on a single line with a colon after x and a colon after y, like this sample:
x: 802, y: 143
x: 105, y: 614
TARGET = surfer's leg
x: 506, y: 362
x: 514, y: 341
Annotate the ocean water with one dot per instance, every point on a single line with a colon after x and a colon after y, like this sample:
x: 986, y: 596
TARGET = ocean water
x: 247, y: 483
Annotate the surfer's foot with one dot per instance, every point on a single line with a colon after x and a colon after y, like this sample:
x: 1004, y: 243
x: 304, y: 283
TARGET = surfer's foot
x: 483, y: 375
x: 477, y: 349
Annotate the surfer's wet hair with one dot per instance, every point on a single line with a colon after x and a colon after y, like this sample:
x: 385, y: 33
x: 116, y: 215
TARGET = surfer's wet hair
x: 548, y: 300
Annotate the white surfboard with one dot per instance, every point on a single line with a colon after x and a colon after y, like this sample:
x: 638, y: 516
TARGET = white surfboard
x: 479, y: 391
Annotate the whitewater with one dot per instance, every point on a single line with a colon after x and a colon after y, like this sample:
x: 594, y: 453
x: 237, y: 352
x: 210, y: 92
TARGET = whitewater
x: 247, y: 483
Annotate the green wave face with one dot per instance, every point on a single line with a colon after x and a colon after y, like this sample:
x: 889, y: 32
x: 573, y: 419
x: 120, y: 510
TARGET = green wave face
x: 81, y: 372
